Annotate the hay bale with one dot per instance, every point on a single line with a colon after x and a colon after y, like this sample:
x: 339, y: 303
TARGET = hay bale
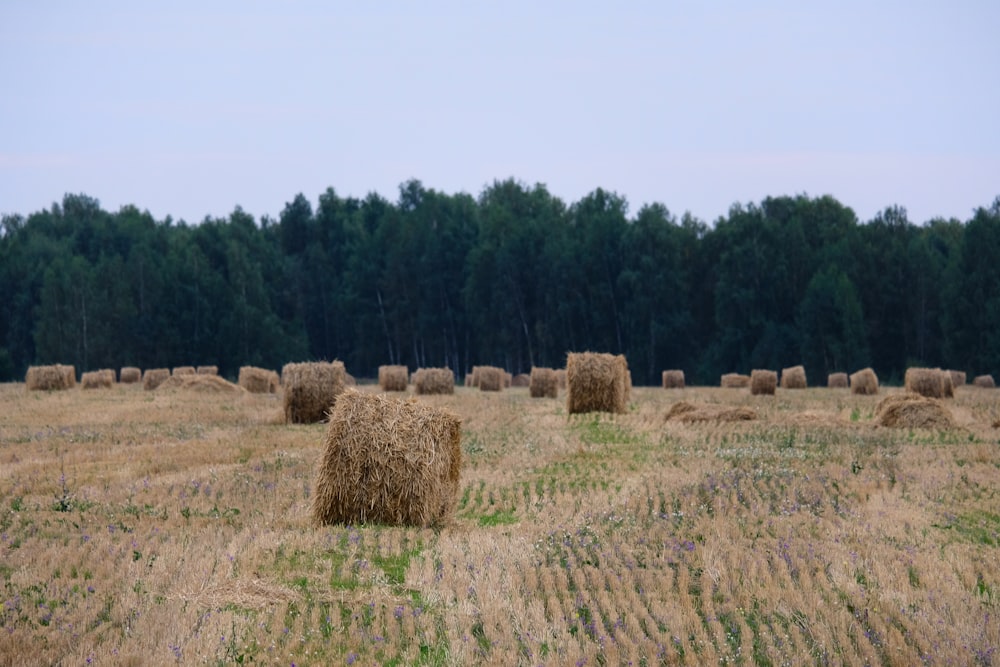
x: 673, y: 379
x: 434, y: 381
x: 521, y: 380
x: 508, y: 379
x: 543, y: 383
x: 793, y: 378
x: 929, y: 382
x: 311, y: 389
x: 837, y: 381
x: 734, y: 381
x: 910, y: 410
x: 54, y: 377
x: 204, y: 383
x: 984, y: 382
x: 472, y: 379
x: 490, y: 378
x: 129, y: 375
x: 957, y: 379
x: 102, y: 379
x: 207, y: 370
x: 596, y: 382
x: 763, y: 382
x: 393, y: 378
x: 154, y: 377
x: 690, y: 413
x: 183, y: 370
x: 258, y: 380
x: 864, y: 382
x: 388, y: 461
x: 561, y: 377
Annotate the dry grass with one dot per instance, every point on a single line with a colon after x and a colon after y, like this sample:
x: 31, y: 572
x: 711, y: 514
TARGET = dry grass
x: 176, y: 527
x: 206, y: 383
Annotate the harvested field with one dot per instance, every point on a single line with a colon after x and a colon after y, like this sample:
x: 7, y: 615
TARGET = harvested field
x: 176, y: 527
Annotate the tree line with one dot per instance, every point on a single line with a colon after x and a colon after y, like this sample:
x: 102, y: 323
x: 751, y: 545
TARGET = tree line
x: 513, y: 278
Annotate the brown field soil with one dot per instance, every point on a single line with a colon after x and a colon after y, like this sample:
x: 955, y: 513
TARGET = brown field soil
x: 163, y: 527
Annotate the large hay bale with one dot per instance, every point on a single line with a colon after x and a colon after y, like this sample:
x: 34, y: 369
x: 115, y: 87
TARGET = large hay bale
x: 691, y: 413
x: 673, y: 379
x: 102, y: 379
x: 311, y: 389
x: 207, y: 370
x: 154, y: 377
x: 793, y: 378
x: 734, y: 381
x: 837, y: 381
x: 910, y: 410
x: 204, y: 382
x: 864, y: 382
x: 129, y: 375
x: 929, y: 382
x: 50, y: 378
x: 984, y: 382
x: 388, y: 461
x: 544, y: 383
x: 184, y: 370
x: 521, y: 380
x: 763, y: 382
x: 596, y: 382
x: 258, y: 380
x: 434, y: 381
x: 490, y: 378
x: 393, y: 378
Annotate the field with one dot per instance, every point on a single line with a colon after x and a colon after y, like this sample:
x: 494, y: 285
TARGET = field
x: 142, y: 527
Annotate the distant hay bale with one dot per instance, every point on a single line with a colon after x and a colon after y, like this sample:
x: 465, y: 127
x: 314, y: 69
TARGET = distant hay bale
x: 393, y: 378
x: 734, y: 381
x: 912, y: 410
x: 207, y: 370
x: 490, y: 378
x: 957, y: 379
x: 258, y: 380
x: 205, y: 383
x: 129, y: 375
x: 864, y: 382
x: 673, y: 379
x: 388, y: 461
x: 154, y: 377
x: 984, y: 382
x: 763, y: 382
x: 50, y: 378
x: 472, y: 379
x: 561, y: 377
x: 793, y: 378
x: 929, y: 382
x: 508, y: 379
x: 837, y: 381
x: 521, y: 380
x: 184, y: 370
x: 596, y: 382
x: 434, y: 381
x: 311, y: 389
x: 102, y: 379
x: 543, y: 383
x: 691, y: 413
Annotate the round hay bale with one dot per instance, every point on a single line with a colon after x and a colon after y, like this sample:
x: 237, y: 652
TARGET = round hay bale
x: 54, y: 377
x: 311, y: 390
x: 388, y: 461
x: 129, y: 375
x: 258, y: 380
x: 910, y: 410
x: 543, y: 383
x: 207, y: 370
x: 596, y: 382
x: 430, y: 381
x: 763, y: 382
x: 184, y: 370
x: 837, y: 381
x: 929, y: 382
x: 97, y: 379
x: 864, y: 382
x: 204, y: 383
x: 154, y: 377
x: 689, y: 413
x: 521, y: 380
x: 490, y: 378
x: 673, y: 379
x: 393, y: 378
x: 793, y: 378
x: 734, y: 381
x: 984, y: 382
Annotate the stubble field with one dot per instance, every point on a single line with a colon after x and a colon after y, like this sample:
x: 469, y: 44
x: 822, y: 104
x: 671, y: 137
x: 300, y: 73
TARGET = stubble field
x: 171, y: 526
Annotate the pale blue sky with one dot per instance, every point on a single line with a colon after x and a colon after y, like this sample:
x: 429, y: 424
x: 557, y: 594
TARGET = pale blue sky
x: 191, y: 108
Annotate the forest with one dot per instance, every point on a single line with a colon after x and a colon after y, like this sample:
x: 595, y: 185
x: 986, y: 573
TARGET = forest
x: 513, y: 278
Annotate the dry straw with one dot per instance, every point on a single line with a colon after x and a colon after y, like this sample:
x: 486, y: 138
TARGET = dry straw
x: 864, y: 382
x: 207, y: 370
x: 763, y: 382
x: 561, y: 377
x: 258, y: 380
x: 910, y: 410
x: 929, y: 382
x: 154, y: 377
x: 393, y: 378
x: 837, y: 381
x: 521, y: 380
x: 543, y: 383
x: 129, y: 375
x: 388, y: 461
x: 205, y: 383
x: 734, y: 381
x: 50, y: 378
x: 490, y: 378
x: 472, y: 379
x: 793, y: 378
x: 958, y: 379
x: 69, y: 375
x: 691, y: 413
x: 102, y: 379
x: 596, y: 382
x: 434, y: 381
x: 673, y: 379
x: 184, y: 370
x: 311, y: 389
x: 984, y: 382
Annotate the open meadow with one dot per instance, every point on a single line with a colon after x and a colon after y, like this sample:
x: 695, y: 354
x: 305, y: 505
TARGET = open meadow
x: 173, y: 526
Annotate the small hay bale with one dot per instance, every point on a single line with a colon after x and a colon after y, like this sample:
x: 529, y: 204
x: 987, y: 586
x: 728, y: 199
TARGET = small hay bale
x: 472, y: 379
x: 490, y: 378
x: 129, y: 375
x: 97, y: 380
x: 258, y: 380
x: 929, y: 382
x: 434, y: 381
x: 864, y: 382
x: 388, y: 461
x: 508, y: 380
x: 184, y: 370
x: 561, y: 377
x: 957, y: 379
x: 154, y: 377
x: 521, y: 380
x: 734, y: 381
x: 689, y: 413
x: 393, y: 378
x: 793, y: 378
x: 984, y: 382
x: 543, y: 383
x: 207, y: 370
x: 911, y: 410
x: 69, y: 375
x: 50, y: 378
x: 837, y: 381
x: 311, y: 390
x: 204, y: 383
x: 763, y: 382
x: 596, y: 382
x: 673, y: 379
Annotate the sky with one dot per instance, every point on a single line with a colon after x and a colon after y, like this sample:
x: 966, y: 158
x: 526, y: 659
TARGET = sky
x: 189, y: 109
